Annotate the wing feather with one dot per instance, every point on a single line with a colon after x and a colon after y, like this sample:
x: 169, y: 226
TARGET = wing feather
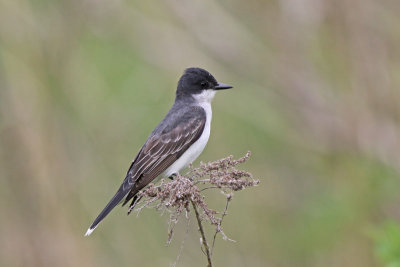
x: 158, y: 153
x: 161, y: 151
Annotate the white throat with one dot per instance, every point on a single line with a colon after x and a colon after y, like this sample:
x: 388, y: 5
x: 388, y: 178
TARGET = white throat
x: 204, y: 97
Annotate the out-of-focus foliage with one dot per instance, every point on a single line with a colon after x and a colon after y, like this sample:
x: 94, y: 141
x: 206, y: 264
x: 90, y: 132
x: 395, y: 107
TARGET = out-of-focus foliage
x: 387, y: 240
x: 316, y: 100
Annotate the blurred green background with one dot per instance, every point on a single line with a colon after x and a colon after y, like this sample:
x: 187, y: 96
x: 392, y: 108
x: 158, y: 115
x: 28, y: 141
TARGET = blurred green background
x: 316, y: 100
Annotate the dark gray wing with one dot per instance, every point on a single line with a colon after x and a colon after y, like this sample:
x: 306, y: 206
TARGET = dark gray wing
x: 157, y: 154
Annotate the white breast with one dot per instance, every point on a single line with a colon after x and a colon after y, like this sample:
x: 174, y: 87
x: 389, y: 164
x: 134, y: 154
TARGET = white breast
x: 191, y: 154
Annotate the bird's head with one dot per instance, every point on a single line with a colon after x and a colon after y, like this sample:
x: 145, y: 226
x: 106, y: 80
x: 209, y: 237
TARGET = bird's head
x: 198, y: 82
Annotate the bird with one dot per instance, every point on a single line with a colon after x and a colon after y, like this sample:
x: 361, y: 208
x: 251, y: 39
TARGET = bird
x: 175, y: 142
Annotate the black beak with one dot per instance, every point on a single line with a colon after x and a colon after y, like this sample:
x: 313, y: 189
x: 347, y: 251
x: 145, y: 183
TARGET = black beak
x: 222, y: 86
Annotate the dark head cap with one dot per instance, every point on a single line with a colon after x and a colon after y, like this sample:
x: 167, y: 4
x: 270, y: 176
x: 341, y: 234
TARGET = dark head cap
x: 196, y: 80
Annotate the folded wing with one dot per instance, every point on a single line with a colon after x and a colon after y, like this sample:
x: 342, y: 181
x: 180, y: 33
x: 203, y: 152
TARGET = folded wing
x: 158, y: 153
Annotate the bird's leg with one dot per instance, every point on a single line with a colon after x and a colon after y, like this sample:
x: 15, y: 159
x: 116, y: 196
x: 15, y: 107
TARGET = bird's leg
x: 172, y: 176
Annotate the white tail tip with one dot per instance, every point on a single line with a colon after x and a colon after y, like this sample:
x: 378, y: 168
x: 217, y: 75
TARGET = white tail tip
x: 89, y: 231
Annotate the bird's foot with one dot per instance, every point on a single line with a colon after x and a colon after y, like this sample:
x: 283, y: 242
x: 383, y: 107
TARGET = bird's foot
x: 172, y: 176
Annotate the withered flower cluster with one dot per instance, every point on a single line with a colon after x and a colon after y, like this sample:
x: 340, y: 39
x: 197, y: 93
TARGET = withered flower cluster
x: 176, y: 196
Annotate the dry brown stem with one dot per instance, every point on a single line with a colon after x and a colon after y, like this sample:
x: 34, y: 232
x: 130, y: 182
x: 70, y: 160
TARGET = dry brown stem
x: 176, y: 196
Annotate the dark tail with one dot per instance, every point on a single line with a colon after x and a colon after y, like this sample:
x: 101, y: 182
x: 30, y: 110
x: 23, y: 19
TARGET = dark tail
x: 121, y: 193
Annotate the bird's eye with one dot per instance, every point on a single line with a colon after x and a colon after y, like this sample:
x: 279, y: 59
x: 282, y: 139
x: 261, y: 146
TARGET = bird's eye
x: 204, y: 84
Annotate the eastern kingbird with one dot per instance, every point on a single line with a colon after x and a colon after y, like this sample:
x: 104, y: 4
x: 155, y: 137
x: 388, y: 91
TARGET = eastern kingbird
x: 177, y: 141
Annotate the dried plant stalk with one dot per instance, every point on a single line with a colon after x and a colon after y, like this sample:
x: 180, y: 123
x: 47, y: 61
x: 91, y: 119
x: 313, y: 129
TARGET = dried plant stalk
x: 176, y: 196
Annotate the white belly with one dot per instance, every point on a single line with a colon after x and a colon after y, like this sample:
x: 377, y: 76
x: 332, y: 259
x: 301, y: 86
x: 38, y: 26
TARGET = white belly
x: 196, y: 148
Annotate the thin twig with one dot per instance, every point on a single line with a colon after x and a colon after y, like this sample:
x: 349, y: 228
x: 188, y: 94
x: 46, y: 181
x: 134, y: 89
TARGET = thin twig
x: 202, y: 181
x: 210, y: 187
x: 203, y: 236
x: 183, y: 243
x: 228, y: 198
